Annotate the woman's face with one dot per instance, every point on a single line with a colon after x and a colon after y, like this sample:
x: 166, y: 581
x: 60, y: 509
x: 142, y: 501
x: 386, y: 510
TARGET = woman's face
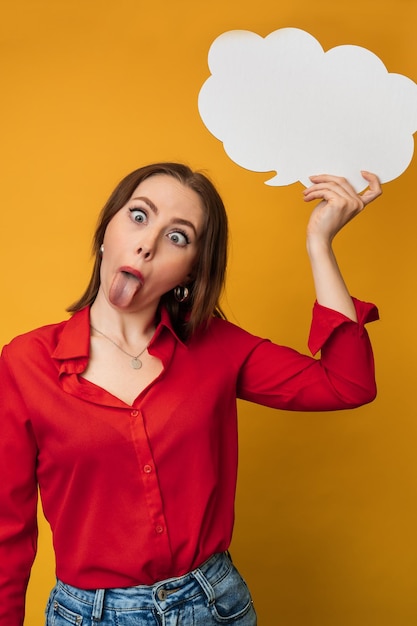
x: 151, y: 244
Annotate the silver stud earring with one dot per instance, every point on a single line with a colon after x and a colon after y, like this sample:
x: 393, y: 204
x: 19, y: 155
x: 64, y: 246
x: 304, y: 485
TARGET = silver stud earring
x: 102, y: 248
x: 181, y: 293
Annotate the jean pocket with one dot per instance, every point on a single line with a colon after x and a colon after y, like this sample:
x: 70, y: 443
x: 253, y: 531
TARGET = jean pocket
x: 233, y: 602
x: 62, y: 616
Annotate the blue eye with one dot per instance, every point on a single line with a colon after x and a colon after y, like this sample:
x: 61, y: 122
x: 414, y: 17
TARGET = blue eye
x: 179, y: 238
x: 138, y: 215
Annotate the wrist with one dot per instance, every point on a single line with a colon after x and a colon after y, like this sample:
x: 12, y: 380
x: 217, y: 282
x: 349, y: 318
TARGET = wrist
x: 318, y: 245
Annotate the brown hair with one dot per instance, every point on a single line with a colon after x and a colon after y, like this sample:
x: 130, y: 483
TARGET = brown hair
x: 210, y: 270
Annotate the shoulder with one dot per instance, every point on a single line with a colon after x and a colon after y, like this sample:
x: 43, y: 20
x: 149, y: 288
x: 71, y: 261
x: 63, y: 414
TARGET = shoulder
x: 227, y: 337
x: 229, y: 329
x: 47, y: 336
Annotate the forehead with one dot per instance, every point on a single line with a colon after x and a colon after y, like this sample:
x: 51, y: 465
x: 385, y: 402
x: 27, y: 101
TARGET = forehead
x: 168, y: 194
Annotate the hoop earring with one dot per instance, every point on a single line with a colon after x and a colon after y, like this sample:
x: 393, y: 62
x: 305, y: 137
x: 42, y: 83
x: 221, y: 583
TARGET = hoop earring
x: 181, y: 293
x: 102, y: 248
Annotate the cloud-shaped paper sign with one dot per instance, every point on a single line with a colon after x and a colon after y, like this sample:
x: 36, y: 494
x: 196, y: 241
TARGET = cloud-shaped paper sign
x: 282, y: 104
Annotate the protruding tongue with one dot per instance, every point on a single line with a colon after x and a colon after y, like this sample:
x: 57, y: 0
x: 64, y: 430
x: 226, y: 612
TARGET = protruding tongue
x: 123, y: 289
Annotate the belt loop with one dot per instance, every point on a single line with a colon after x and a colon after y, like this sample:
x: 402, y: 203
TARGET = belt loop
x: 205, y: 585
x: 98, y: 605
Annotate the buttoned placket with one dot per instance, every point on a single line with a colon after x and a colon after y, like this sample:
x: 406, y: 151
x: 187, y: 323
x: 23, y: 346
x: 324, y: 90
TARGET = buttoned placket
x: 153, y: 495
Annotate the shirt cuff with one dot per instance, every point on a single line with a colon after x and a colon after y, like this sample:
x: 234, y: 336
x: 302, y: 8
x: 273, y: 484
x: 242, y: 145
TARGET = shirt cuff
x: 326, y: 321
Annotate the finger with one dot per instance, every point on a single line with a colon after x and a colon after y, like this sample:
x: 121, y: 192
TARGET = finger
x: 333, y: 192
x: 345, y: 191
x: 340, y: 181
x: 374, y: 189
x: 339, y: 185
x: 342, y: 199
x: 370, y: 194
x: 374, y: 186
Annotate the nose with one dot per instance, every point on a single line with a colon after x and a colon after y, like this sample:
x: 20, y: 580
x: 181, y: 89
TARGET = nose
x: 146, y: 253
x: 147, y: 246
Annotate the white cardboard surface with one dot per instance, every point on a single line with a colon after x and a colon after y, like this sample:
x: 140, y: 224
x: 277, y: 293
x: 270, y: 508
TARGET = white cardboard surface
x: 281, y: 104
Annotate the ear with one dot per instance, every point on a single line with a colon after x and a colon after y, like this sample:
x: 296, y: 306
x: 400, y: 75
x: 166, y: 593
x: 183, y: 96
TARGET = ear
x: 188, y: 279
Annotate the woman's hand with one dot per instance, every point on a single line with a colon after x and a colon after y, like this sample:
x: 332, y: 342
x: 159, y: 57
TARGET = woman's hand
x: 339, y: 203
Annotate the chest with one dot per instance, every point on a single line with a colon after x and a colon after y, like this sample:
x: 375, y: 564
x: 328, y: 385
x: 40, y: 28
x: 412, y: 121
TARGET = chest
x: 115, y: 373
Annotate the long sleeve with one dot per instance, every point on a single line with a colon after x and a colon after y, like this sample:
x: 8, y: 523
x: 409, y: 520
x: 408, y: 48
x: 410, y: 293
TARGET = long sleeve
x: 18, y: 500
x: 342, y: 378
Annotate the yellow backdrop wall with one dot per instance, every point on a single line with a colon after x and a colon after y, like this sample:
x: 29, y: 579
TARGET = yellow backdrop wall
x: 326, y: 511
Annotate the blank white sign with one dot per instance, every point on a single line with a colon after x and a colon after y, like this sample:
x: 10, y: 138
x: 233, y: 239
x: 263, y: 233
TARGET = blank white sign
x: 282, y: 104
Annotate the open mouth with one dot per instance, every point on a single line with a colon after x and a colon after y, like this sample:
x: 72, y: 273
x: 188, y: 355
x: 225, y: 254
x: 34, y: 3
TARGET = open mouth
x: 129, y: 272
x: 126, y: 284
x: 129, y: 275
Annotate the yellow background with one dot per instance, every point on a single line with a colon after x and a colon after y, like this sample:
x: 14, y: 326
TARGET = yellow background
x: 326, y: 513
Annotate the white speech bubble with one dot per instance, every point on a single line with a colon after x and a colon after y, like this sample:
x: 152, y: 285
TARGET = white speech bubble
x: 282, y: 104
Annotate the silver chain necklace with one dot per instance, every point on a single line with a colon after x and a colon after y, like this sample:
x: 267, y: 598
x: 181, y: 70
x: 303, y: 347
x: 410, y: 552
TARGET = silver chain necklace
x: 136, y: 363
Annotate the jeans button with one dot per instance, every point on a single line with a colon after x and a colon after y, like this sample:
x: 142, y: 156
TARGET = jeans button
x: 162, y: 594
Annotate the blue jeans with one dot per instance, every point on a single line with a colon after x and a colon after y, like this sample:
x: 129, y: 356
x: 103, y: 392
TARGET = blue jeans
x: 210, y: 595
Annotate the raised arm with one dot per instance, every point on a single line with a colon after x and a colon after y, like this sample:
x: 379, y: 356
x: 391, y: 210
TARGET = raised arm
x: 339, y: 204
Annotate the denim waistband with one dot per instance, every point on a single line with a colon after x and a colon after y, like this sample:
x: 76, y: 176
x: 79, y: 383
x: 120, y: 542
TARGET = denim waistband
x: 163, y: 594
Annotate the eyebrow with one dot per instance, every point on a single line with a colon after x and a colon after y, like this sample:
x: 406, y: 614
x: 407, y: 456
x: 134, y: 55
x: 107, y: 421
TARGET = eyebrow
x: 175, y: 220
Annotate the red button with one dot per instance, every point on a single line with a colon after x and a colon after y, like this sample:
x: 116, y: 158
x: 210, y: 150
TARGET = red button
x: 159, y: 529
x: 134, y: 413
x: 147, y: 469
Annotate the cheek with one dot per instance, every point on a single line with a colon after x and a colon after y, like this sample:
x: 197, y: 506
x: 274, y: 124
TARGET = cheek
x: 180, y: 270
x: 114, y: 244
x: 192, y: 263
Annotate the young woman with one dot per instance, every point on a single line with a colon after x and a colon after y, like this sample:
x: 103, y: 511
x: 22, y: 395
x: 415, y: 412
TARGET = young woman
x: 125, y: 414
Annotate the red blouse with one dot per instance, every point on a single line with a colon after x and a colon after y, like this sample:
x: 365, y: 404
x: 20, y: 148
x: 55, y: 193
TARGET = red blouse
x: 135, y: 494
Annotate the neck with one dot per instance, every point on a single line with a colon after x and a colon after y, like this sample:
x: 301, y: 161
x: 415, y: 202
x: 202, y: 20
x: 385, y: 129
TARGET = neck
x: 130, y: 327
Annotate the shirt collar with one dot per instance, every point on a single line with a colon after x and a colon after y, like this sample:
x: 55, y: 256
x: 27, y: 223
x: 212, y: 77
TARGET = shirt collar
x: 74, y: 342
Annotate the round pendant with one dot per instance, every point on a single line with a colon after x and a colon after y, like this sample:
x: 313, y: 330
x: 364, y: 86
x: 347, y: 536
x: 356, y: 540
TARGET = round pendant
x: 136, y: 363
